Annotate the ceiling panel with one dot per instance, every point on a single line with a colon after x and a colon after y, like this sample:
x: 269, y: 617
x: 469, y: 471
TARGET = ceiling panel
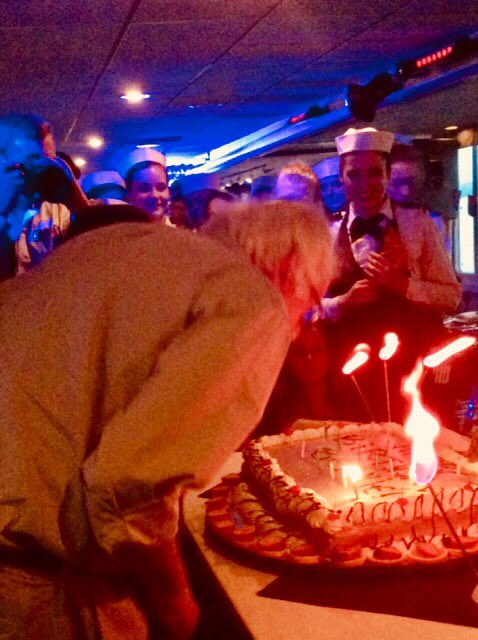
x: 197, y: 10
x: 216, y: 69
x: 36, y: 13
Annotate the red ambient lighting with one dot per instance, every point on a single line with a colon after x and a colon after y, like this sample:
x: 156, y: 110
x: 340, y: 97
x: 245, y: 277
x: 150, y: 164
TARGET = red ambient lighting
x: 433, y: 57
x: 296, y: 119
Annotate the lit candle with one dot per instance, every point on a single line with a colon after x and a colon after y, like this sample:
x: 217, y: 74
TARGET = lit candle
x: 457, y: 346
x: 352, y: 473
x: 332, y: 470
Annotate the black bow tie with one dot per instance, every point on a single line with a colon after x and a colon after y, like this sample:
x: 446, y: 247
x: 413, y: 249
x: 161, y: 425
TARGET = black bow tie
x: 368, y: 226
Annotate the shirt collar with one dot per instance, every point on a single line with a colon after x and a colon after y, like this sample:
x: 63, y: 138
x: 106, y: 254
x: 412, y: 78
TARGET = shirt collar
x: 386, y: 209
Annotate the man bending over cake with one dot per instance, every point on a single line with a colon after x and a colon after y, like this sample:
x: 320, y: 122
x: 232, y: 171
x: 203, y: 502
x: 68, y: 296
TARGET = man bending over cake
x: 393, y: 270
x: 124, y: 380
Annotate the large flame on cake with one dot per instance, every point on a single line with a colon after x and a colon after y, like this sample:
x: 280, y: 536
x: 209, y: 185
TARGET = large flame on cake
x: 457, y: 346
x: 422, y: 428
x: 390, y: 346
x: 359, y: 356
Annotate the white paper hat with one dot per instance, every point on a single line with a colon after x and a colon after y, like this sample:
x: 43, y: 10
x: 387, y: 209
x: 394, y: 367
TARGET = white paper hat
x: 100, y: 178
x: 328, y: 167
x: 198, y: 181
x: 367, y: 139
x: 142, y: 155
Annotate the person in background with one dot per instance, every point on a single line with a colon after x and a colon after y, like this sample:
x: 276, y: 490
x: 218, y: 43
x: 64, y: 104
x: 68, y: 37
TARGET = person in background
x: 75, y: 169
x: 146, y: 179
x: 393, y: 272
x: 37, y: 193
x: 94, y: 466
x: 262, y: 188
x: 407, y: 177
x: 331, y: 188
x: 106, y: 186
x: 296, y: 181
x: 301, y: 389
x: 205, y: 203
x: 178, y: 212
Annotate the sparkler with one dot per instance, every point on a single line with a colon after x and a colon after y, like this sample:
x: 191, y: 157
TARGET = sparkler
x: 389, y: 349
x: 360, y: 355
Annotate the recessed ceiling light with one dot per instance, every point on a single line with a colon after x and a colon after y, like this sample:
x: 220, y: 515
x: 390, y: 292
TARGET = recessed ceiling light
x: 451, y: 127
x: 133, y: 96
x: 80, y: 162
x: 147, y: 146
x: 95, y: 142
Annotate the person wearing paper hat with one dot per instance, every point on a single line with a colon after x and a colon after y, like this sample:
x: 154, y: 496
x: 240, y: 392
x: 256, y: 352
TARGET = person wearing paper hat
x: 107, y: 186
x: 146, y: 181
x: 330, y: 184
x: 296, y: 181
x: 393, y: 270
x: 262, y: 188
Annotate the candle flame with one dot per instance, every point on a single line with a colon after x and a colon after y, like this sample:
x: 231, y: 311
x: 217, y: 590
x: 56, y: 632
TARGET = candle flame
x: 352, y: 472
x: 390, y: 346
x: 458, y: 345
x: 422, y: 428
x: 359, y: 357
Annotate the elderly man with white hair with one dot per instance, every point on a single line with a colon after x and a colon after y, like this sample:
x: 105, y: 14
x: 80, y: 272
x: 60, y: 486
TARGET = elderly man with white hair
x: 163, y: 357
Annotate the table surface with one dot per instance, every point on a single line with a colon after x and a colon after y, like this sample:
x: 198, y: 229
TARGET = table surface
x: 267, y: 618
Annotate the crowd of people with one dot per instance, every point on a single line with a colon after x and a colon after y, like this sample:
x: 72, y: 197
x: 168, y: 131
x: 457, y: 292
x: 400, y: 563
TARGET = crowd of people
x: 144, y: 337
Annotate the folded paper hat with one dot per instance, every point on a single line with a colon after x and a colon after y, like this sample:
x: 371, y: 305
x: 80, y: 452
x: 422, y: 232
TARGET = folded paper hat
x: 367, y: 139
x: 198, y: 181
x: 263, y: 183
x: 142, y: 155
x: 100, y: 178
x: 328, y: 167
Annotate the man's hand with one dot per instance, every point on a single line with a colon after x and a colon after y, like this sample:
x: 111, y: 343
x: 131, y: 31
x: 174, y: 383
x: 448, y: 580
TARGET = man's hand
x: 12, y: 182
x: 54, y: 180
x: 361, y: 292
x: 385, y: 273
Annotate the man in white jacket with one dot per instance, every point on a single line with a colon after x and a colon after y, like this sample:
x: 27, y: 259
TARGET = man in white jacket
x: 394, y: 273
x: 133, y: 362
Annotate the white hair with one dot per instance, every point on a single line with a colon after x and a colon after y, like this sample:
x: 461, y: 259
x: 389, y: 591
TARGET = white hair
x: 283, y: 239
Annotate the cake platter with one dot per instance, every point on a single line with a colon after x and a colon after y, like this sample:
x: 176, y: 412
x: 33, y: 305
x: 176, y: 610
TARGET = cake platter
x: 273, y: 512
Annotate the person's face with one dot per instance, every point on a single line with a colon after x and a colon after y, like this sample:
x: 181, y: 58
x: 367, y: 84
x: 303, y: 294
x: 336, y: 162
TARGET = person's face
x: 178, y: 213
x: 365, y: 177
x: 332, y: 192
x: 149, y: 190
x: 18, y: 153
x: 294, y: 187
x: 406, y: 181
x: 217, y: 205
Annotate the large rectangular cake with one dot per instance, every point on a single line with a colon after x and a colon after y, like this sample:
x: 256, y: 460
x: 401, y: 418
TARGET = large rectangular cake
x: 382, y: 517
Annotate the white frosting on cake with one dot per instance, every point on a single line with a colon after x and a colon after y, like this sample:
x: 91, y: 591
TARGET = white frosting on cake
x: 293, y: 472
